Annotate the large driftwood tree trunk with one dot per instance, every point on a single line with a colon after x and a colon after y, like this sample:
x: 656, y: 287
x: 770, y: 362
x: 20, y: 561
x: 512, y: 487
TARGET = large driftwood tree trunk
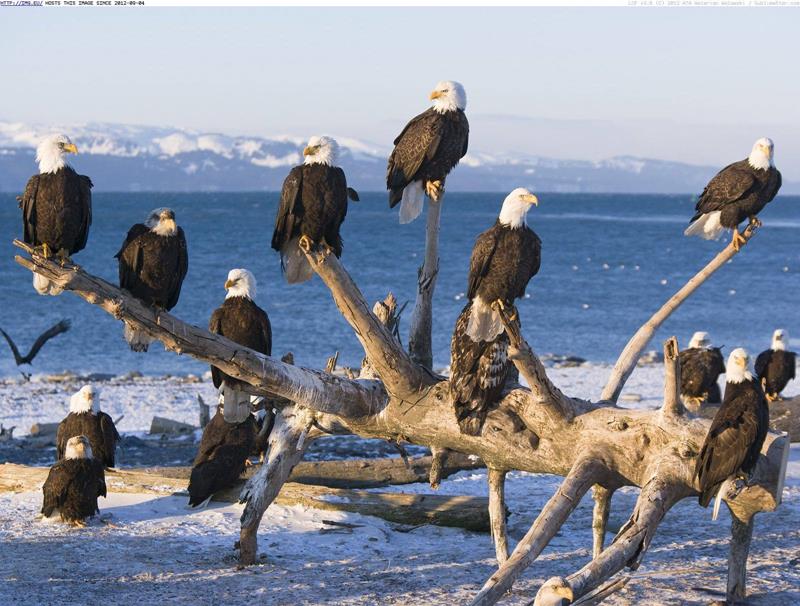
x: 536, y: 429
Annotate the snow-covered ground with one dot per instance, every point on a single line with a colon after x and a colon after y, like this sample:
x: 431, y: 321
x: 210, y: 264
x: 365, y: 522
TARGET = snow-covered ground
x: 155, y: 551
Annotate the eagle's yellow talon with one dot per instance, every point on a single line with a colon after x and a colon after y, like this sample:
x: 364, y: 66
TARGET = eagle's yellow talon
x: 434, y: 190
x: 305, y: 243
x: 738, y: 240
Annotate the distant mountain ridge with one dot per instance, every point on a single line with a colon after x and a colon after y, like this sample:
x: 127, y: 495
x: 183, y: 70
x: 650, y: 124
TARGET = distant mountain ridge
x: 121, y: 157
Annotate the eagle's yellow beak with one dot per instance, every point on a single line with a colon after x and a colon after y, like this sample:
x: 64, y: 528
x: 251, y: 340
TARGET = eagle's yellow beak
x: 436, y: 94
x: 742, y: 361
x: 531, y: 199
x: 311, y: 150
x: 229, y: 284
x: 767, y: 151
x: 70, y: 147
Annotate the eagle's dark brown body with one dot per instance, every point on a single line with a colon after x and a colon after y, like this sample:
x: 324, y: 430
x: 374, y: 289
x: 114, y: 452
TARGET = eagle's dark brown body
x: 700, y: 369
x: 98, y: 428
x: 775, y: 368
x: 429, y: 147
x: 152, y: 267
x: 220, y: 460
x: 739, y: 192
x: 72, y: 488
x: 313, y: 203
x: 57, y: 210
x: 240, y: 320
x: 735, y: 438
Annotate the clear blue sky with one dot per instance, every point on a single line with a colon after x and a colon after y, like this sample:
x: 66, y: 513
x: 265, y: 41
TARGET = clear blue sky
x: 693, y: 85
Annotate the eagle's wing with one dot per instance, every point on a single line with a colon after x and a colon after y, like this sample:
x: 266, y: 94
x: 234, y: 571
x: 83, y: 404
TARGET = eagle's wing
x: 100, y: 471
x: 730, y: 184
x: 774, y: 185
x: 61, y: 441
x: 761, y: 363
x: 482, y: 253
x: 53, y: 331
x: 215, y: 326
x: 54, y: 488
x: 28, y: 205
x: 289, y: 211
x: 266, y: 331
x: 530, y: 259
x: 86, y: 208
x: 183, y: 269
x: 418, y: 142
x: 131, y: 256
x: 110, y: 438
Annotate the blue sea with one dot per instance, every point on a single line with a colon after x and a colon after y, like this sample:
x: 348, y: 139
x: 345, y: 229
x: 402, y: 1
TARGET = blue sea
x: 608, y: 262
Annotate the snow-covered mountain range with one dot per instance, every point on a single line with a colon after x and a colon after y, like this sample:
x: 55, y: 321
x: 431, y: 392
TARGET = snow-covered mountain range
x: 121, y: 157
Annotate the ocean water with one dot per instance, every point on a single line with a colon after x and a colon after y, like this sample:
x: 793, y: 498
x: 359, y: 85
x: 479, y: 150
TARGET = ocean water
x: 608, y: 262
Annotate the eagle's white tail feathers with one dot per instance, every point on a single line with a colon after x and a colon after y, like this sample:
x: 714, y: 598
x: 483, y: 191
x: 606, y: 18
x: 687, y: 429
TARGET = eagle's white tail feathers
x: 723, y: 488
x: 295, y: 264
x: 45, y: 287
x: 235, y: 404
x: 484, y: 322
x: 137, y: 339
x: 707, y: 227
x: 411, y: 204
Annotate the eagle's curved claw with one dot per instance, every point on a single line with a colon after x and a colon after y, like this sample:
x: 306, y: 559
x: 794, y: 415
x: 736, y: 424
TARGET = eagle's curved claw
x: 738, y: 240
x: 434, y: 189
x: 755, y: 222
x: 46, y: 252
x: 305, y: 243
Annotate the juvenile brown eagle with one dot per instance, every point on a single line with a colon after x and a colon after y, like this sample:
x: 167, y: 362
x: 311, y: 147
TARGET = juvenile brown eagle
x: 738, y: 192
x: 429, y: 147
x: 153, y: 262
x: 56, y: 206
x: 775, y: 367
x: 737, y: 432
x: 504, y: 259
x: 312, y: 208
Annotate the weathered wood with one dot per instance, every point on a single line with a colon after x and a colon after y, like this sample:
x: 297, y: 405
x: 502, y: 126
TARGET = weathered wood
x: 41, y: 430
x: 497, y: 513
x: 419, y: 339
x: 353, y: 473
x: 402, y: 508
x: 163, y: 425
x: 672, y: 379
x: 633, y: 350
x: 602, y: 507
x: 741, y: 535
x: 204, y: 412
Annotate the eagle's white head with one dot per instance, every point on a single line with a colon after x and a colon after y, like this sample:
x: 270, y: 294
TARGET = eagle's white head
x: 162, y: 222
x: 240, y: 283
x: 51, y: 152
x: 449, y: 96
x: 84, y: 400
x: 78, y: 447
x: 761, y: 155
x: 736, y: 370
x: 516, y: 206
x: 779, y: 338
x: 699, y: 339
x: 321, y: 150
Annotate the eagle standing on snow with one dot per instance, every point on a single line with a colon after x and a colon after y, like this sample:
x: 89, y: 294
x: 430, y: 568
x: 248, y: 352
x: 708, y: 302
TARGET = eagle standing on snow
x: 56, y: 207
x: 221, y: 458
x: 504, y: 259
x: 427, y: 150
x: 312, y: 208
x: 775, y: 367
x: 738, y: 192
x: 153, y: 262
x: 737, y: 432
x: 242, y: 321
x: 701, y: 365
x: 86, y: 419
x: 74, y: 483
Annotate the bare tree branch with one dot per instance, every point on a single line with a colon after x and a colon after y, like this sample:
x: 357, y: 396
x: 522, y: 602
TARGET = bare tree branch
x: 497, y: 513
x: 672, y: 379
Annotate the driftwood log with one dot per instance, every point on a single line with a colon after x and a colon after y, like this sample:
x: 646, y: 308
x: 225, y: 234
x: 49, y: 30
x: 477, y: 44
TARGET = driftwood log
x: 466, y: 512
x: 535, y: 429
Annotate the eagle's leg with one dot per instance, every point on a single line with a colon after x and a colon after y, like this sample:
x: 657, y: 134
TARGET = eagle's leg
x: 78, y: 524
x: 248, y: 462
x: 737, y: 240
x: 63, y: 257
x: 46, y: 252
x: 498, y: 304
x: 755, y: 221
x: 305, y: 243
x: 434, y: 189
x: 771, y: 397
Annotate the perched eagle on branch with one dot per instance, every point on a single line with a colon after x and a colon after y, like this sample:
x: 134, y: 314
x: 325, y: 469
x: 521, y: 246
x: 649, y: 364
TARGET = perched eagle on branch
x: 312, y: 208
x: 429, y: 147
x: 86, y: 419
x: 739, y: 191
x: 701, y: 365
x: 56, y: 207
x: 153, y: 263
x: 737, y: 432
x: 504, y: 259
x: 775, y: 367
x: 73, y: 484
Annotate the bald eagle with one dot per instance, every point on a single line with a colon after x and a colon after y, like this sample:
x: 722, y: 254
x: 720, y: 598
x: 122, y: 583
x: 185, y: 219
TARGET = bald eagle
x: 737, y: 432
x: 74, y: 483
x: 86, y: 419
x: 504, y: 259
x: 240, y: 320
x: 775, y: 367
x: 429, y: 147
x: 221, y: 457
x: 738, y: 192
x: 312, y: 208
x: 701, y: 364
x: 56, y: 206
x: 153, y: 262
